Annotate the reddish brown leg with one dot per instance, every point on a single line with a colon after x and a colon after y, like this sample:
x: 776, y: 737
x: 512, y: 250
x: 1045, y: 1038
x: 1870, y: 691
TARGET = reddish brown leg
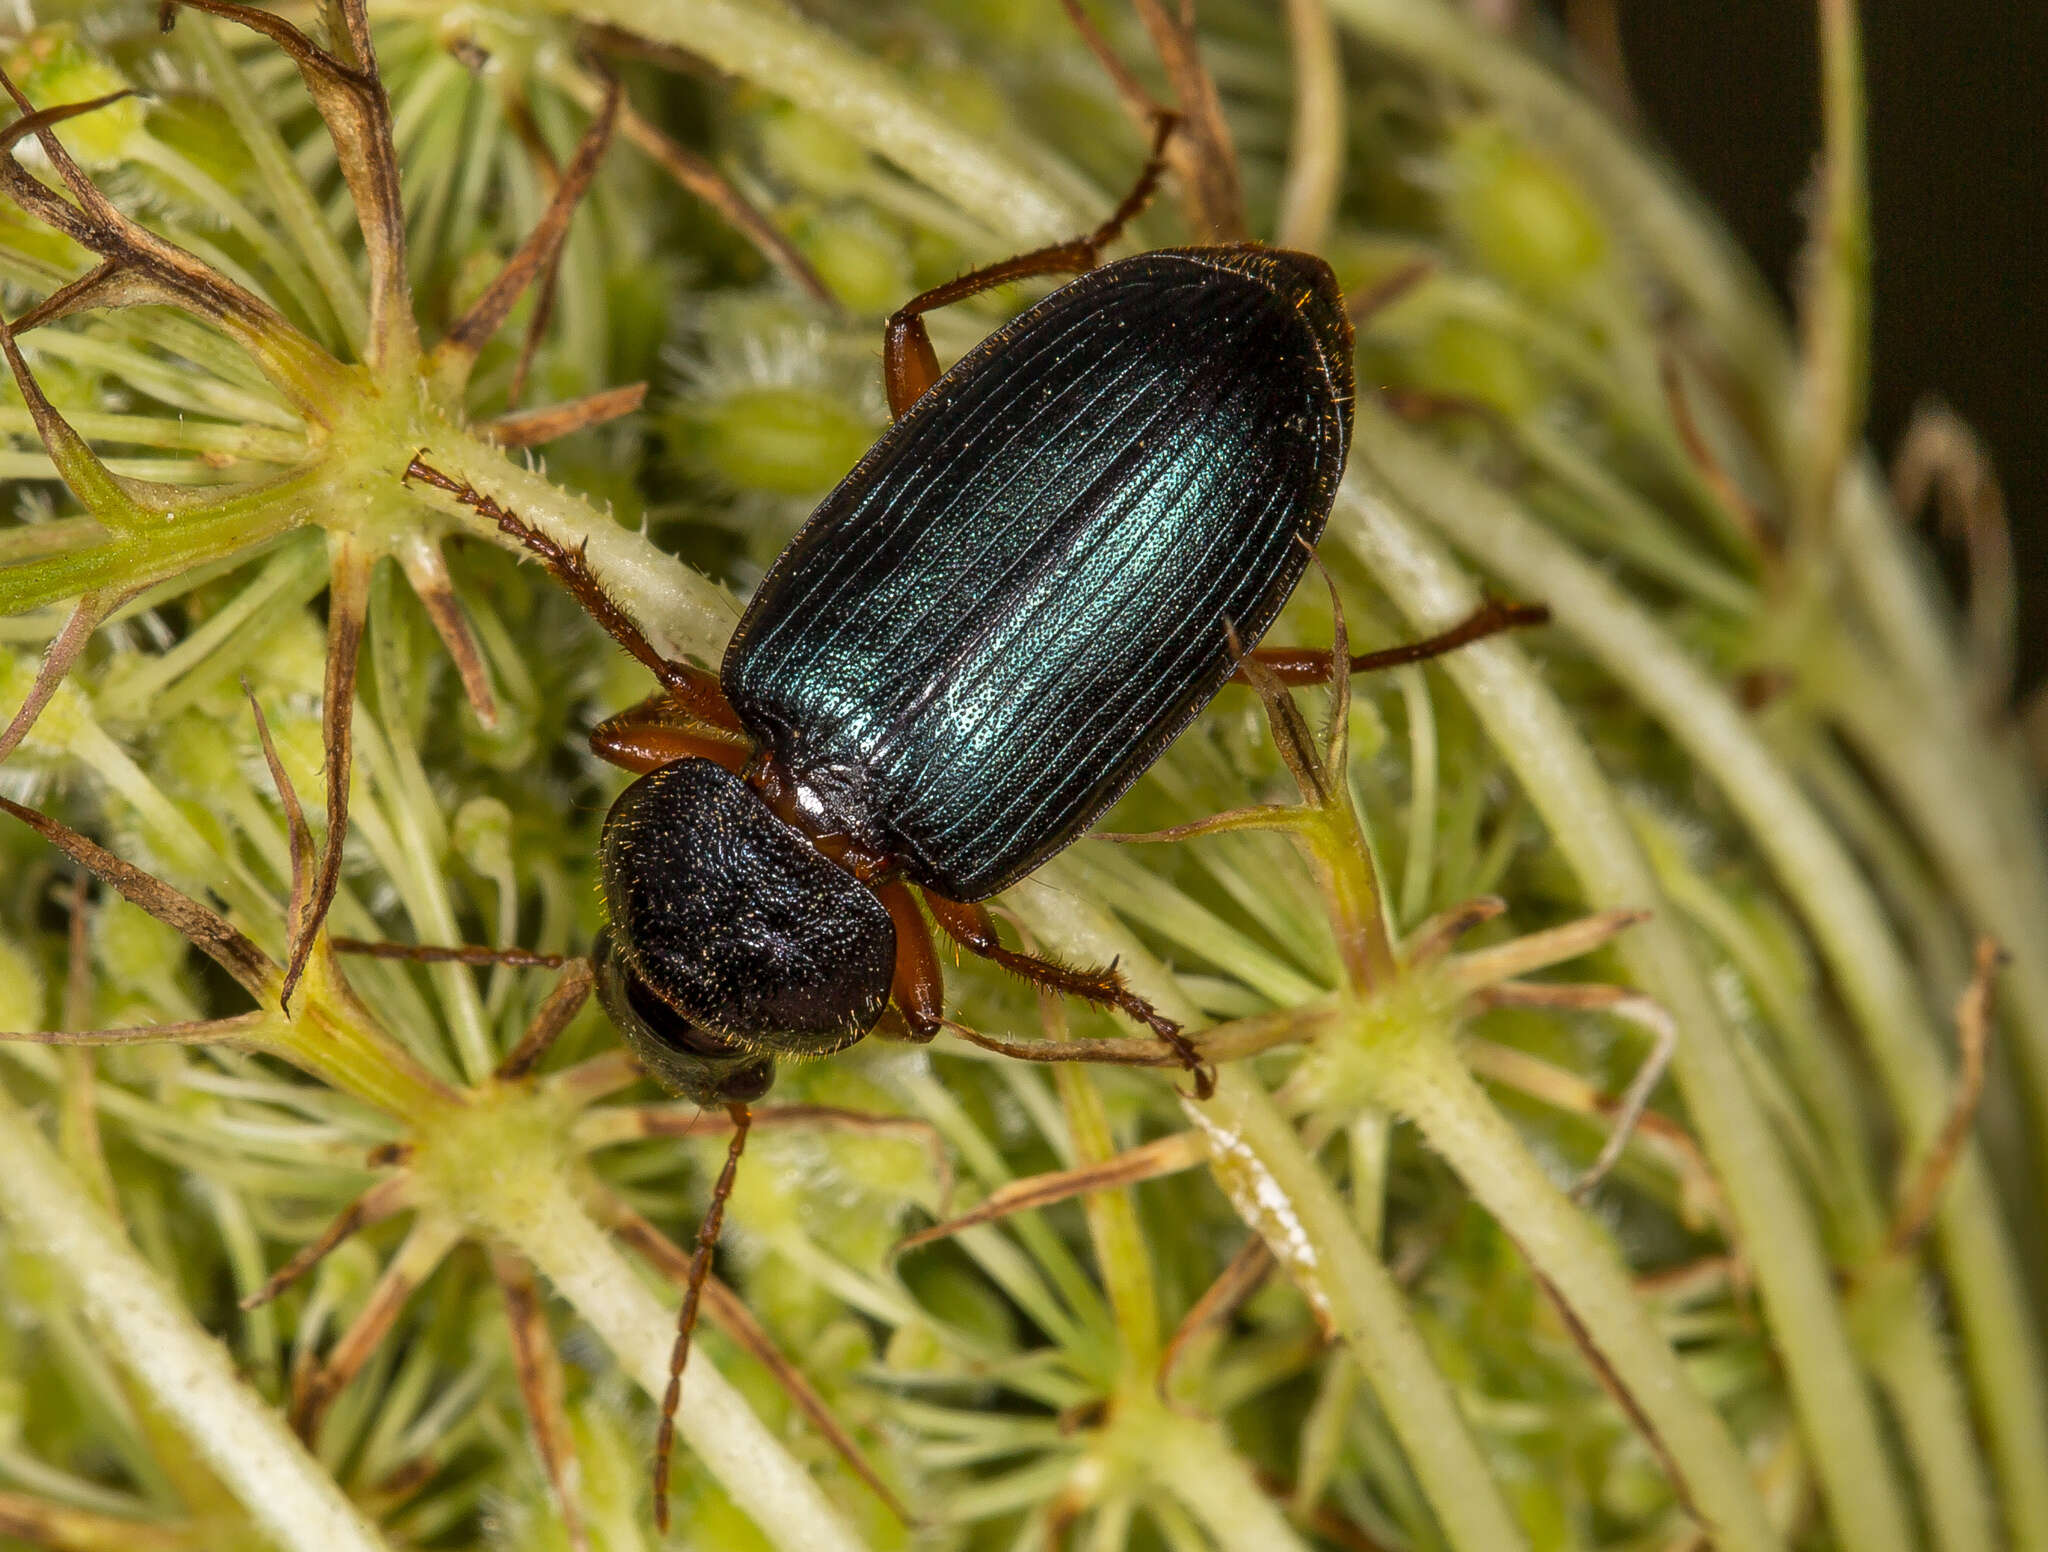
x: 975, y: 930
x: 918, y: 986
x: 660, y: 731
x: 1311, y: 665
x: 686, y: 1318
x: 546, y: 1027
x: 449, y: 953
x: 909, y: 366
x: 696, y: 689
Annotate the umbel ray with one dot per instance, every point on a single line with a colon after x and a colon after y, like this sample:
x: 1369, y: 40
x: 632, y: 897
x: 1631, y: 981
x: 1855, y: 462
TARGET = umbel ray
x: 1056, y: 555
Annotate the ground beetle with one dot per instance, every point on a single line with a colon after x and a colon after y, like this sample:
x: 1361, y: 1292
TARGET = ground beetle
x: 1052, y: 560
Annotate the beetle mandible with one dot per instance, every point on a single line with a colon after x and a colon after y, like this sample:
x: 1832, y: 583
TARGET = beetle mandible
x: 1055, y: 556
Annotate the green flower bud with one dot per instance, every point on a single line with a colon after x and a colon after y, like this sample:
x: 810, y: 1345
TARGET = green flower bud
x: 134, y: 950
x: 482, y: 836
x: 785, y: 441
x: 1468, y: 360
x: 291, y: 660
x: 1518, y: 214
x: 67, y: 715
x: 52, y: 68
x: 193, y: 759
x: 23, y: 996
x: 861, y: 261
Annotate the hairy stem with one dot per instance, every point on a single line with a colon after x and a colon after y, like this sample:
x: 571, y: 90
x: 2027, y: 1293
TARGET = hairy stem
x: 777, y: 51
x: 143, y: 1323
x: 1541, y: 743
x: 1289, y: 1201
x: 1427, y: 1081
x: 1817, y: 873
x: 546, y: 1226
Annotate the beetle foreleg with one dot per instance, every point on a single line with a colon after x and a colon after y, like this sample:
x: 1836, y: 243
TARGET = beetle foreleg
x: 974, y: 929
x: 660, y: 731
x: 910, y: 366
x: 1311, y: 665
x: 696, y: 688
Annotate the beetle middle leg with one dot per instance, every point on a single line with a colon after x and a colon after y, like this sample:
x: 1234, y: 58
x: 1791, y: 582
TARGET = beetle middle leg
x: 1313, y: 665
x: 910, y: 366
x: 917, y: 988
x: 974, y: 929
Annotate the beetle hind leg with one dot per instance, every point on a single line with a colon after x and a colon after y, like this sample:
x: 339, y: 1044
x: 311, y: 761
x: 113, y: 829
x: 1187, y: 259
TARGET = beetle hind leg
x: 974, y: 929
x: 910, y: 366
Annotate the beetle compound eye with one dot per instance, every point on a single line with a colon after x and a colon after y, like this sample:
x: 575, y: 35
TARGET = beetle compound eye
x: 735, y: 923
x: 689, y: 1062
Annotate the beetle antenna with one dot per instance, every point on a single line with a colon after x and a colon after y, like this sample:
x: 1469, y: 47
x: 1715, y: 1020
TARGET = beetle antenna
x: 686, y: 1318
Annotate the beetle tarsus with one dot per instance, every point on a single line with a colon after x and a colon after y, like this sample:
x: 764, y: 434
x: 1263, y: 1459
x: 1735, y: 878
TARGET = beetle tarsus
x: 971, y: 926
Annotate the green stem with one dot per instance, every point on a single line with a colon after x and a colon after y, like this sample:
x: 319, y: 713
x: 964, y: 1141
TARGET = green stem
x: 1427, y: 1082
x: 1933, y: 1415
x: 1939, y: 777
x: 1195, y: 1463
x: 682, y: 612
x: 1816, y: 871
x: 1283, y: 1194
x: 1281, y: 1191
x: 1315, y: 148
x: 293, y: 576
x: 536, y: 1214
x: 284, y: 265
x: 1834, y: 320
x: 1024, y: 203
x: 289, y: 195
x: 1113, y: 1226
x: 143, y: 1323
x: 1548, y: 753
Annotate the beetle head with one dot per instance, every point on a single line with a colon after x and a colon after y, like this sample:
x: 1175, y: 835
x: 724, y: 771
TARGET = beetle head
x: 732, y: 939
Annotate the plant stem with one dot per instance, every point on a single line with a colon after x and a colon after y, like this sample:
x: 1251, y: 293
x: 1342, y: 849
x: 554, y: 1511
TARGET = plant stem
x: 544, y: 1223
x: 1195, y: 1463
x: 186, y: 1372
x: 1113, y: 1225
x: 1933, y: 1416
x: 1816, y: 871
x: 683, y: 612
x: 1282, y: 1193
x: 1944, y: 778
x: 289, y: 196
x: 1834, y: 321
x: 1543, y: 746
x: 1315, y: 148
x: 798, y: 60
x: 1427, y: 1081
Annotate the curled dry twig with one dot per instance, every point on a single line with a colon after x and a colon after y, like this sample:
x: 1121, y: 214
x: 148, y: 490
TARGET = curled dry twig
x: 1922, y: 1194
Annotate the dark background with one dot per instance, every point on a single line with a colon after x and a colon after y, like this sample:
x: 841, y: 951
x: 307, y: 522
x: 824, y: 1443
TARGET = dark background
x: 1959, y: 194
